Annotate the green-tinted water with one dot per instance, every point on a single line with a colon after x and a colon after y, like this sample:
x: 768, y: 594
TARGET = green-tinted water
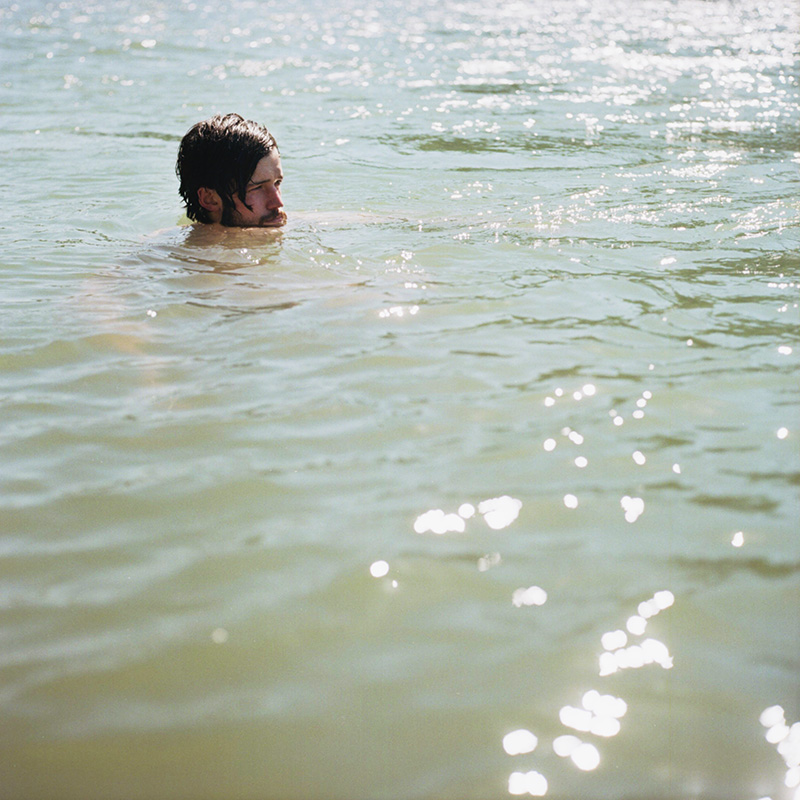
x: 545, y: 255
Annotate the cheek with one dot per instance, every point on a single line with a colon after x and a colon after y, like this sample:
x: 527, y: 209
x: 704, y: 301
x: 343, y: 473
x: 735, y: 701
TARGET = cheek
x: 242, y: 209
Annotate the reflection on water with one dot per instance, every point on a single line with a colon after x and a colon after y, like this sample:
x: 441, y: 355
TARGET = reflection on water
x: 498, y: 513
x: 532, y: 596
x: 436, y: 521
x: 787, y: 741
x: 633, y: 507
x: 519, y: 742
x: 584, y: 755
x: 532, y: 783
x: 379, y: 569
x: 597, y: 717
x: 618, y: 655
x: 398, y: 311
x: 599, y: 714
x: 540, y: 271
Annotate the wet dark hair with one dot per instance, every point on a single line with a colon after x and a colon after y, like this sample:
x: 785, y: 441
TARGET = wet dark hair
x: 220, y: 153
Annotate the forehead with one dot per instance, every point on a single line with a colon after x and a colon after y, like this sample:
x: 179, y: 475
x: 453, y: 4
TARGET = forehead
x: 267, y: 169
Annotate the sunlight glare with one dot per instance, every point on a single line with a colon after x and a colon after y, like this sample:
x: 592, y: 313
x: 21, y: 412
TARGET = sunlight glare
x: 532, y: 783
x: 608, y: 664
x: 613, y: 640
x: 777, y: 733
x: 774, y: 715
x: 378, y: 569
x: 578, y: 719
x: 636, y: 625
x: 436, y: 521
x: 500, y: 512
x: 519, y: 742
x: 664, y: 599
x: 532, y: 596
x: 633, y: 507
x: 565, y: 745
x: 648, y: 608
x: 604, y: 705
x: 585, y: 757
x: 605, y: 726
x: 657, y: 652
x: 787, y: 740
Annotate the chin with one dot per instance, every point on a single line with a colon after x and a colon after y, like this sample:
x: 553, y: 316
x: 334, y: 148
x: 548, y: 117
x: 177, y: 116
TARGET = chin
x: 279, y: 220
x: 273, y: 222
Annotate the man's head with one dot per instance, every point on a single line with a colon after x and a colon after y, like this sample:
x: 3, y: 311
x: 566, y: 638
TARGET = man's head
x: 230, y: 172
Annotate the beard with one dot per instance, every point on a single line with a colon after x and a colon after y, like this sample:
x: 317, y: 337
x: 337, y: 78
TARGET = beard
x: 273, y: 219
x: 231, y: 218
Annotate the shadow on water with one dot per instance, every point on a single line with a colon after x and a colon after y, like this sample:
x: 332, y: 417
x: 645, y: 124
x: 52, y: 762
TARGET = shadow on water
x: 772, y: 264
x: 720, y: 569
x: 754, y: 504
x: 790, y: 478
x: 164, y: 137
x: 232, y: 311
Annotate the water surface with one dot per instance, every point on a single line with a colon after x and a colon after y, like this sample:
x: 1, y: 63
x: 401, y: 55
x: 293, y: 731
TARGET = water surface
x: 329, y: 512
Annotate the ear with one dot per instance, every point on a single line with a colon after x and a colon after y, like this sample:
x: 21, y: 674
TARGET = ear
x: 211, y: 202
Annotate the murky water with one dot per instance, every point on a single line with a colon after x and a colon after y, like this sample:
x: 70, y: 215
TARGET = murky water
x: 494, y: 445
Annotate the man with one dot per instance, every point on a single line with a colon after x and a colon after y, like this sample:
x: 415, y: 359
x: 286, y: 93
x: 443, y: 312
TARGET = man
x: 230, y: 174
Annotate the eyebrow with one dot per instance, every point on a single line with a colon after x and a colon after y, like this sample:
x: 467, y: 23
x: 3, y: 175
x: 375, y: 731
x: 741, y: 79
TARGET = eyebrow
x: 261, y: 183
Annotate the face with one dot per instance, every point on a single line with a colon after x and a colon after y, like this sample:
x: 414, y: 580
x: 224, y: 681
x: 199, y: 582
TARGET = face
x: 263, y: 195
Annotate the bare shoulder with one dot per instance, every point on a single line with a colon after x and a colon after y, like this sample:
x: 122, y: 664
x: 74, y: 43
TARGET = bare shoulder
x: 202, y: 235
x: 198, y: 234
x: 332, y: 219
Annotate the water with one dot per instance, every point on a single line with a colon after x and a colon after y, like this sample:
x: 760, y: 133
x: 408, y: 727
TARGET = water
x: 541, y: 254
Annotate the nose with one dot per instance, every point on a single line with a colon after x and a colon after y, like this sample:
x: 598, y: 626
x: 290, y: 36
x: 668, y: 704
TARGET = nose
x: 274, y: 197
